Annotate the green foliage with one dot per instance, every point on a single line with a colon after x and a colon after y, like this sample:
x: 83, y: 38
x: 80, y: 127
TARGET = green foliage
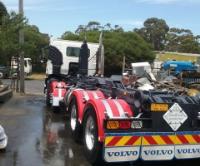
x: 10, y: 26
x: 9, y: 37
x: 157, y: 32
x: 182, y: 40
x: 154, y: 32
x: 3, y: 12
x: 117, y: 44
x: 34, y: 42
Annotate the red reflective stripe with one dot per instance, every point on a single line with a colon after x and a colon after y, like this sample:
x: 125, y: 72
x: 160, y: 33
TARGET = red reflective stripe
x: 114, y: 141
x: 55, y: 93
x: 150, y: 140
x: 166, y: 139
x: 197, y: 138
x: 132, y: 140
x: 182, y: 139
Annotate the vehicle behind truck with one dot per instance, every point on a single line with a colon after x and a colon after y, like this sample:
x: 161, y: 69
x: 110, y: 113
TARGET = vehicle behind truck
x: 176, y: 67
x: 15, y: 64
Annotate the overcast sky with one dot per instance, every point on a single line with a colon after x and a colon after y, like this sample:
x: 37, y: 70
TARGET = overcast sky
x: 57, y: 16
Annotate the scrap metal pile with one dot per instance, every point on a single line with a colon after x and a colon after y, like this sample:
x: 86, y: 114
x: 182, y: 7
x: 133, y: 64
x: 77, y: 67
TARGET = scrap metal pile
x: 185, y: 82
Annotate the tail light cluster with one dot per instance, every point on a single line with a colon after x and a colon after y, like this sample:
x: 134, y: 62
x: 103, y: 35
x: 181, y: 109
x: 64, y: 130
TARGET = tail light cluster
x: 123, y: 124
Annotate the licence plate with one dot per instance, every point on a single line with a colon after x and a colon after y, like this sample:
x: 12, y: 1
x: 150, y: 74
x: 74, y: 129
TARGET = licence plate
x: 136, y: 124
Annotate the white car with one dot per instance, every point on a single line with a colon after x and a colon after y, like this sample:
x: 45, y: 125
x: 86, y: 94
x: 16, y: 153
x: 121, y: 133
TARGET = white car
x: 3, y: 138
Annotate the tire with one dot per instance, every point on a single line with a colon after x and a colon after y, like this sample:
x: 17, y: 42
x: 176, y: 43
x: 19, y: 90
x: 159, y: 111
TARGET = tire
x: 75, y: 126
x: 92, y: 147
x: 1, y: 75
x: 3, y: 150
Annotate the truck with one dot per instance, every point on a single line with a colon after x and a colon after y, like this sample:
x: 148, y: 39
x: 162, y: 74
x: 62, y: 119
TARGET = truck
x: 70, y: 51
x: 176, y: 67
x: 117, y: 124
x: 63, y: 61
x: 15, y: 65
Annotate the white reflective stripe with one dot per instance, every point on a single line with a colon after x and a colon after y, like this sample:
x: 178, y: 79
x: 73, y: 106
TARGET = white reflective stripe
x: 86, y: 96
x: 67, y: 96
x: 108, y: 109
x: 59, y: 90
x: 120, y: 109
x: 95, y: 95
x: 55, y: 101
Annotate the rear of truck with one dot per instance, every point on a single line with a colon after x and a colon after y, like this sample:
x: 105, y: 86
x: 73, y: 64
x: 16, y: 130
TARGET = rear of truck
x: 167, y: 128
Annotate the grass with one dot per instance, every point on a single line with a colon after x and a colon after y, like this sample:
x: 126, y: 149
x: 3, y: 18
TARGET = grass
x: 174, y: 56
x: 36, y: 76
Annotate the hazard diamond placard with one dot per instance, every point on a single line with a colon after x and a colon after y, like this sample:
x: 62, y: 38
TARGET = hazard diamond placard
x: 175, y: 117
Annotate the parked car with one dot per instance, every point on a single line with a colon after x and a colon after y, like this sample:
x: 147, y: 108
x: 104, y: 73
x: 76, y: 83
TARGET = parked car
x: 3, y: 139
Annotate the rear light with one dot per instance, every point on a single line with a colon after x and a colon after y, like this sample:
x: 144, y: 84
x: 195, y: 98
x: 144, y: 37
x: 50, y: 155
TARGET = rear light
x: 112, y: 125
x: 118, y: 124
x: 124, y: 124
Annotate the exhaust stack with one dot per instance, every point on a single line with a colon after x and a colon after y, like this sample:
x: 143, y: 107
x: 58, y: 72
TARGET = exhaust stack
x: 83, y: 59
x: 100, y: 57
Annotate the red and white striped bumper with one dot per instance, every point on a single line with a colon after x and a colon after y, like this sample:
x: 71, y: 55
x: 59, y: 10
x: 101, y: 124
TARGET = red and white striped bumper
x: 151, y: 146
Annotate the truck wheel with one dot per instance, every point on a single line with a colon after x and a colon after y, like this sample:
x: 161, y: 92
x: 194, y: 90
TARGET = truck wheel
x: 1, y: 75
x: 92, y: 147
x: 74, y: 123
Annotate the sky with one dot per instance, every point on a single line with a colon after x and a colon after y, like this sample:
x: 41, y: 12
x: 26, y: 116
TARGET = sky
x: 58, y: 16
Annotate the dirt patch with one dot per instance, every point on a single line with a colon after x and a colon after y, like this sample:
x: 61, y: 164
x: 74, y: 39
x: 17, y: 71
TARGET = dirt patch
x: 36, y: 76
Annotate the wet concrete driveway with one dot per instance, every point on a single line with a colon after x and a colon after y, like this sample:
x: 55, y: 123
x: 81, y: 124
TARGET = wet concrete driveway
x: 37, y: 136
x: 40, y: 137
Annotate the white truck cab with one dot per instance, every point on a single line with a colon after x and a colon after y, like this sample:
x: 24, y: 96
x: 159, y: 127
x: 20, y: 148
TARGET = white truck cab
x: 70, y: 51
x: 27, y: 66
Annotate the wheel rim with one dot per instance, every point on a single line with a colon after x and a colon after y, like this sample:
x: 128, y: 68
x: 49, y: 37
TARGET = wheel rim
x: 90, y: 133
x: 73, y: 118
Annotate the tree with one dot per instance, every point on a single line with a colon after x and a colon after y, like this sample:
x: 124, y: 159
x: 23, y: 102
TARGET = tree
x: 108, y: 27
x: 154, y: 31
x: 117, y: 44
x: 3, y: 11
x: 34, y: 42
x: 182, y: 40
x: 118, y: 28
x: 93, y: 26
x: 81, y: 28
x: 9, y: 45
x: 9, y: 38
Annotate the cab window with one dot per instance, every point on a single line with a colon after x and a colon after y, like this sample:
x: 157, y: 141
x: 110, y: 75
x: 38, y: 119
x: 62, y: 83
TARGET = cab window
x: 73, y: 51
x: 29, y: 62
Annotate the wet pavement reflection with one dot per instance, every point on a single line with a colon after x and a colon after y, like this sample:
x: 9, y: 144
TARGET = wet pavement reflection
x: 40, y: 137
